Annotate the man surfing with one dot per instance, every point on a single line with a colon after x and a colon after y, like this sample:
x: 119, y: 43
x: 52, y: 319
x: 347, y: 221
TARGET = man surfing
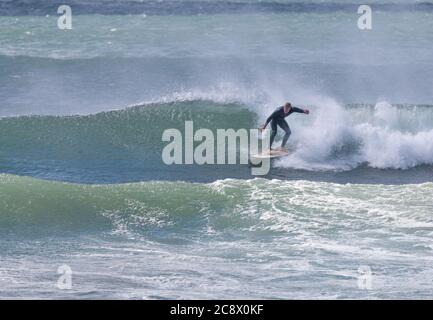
x: 277, y: 119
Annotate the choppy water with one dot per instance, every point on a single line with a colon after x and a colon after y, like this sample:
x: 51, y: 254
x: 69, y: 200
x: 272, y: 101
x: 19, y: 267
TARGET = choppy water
x: 82, y: 182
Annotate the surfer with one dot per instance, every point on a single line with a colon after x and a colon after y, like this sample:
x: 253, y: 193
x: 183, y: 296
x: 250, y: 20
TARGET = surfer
x: 277, y: 119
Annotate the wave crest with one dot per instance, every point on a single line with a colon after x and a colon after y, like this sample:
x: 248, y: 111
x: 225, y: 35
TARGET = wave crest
x: 380, y: 136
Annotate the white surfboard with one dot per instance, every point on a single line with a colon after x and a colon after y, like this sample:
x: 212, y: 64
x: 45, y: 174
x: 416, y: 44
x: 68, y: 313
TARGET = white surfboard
x: 271, y: 154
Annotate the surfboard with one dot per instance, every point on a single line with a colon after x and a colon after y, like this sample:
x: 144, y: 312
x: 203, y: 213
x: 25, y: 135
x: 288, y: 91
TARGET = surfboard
x: 271, y: 154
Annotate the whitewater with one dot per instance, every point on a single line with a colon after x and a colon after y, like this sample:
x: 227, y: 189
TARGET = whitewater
x: 83, y: 185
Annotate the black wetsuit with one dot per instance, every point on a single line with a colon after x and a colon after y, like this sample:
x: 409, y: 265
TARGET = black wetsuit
x: 277, y: 118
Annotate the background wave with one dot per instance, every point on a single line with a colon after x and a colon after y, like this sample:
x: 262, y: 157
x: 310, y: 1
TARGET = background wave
x: 195, y: 7
x: 107, y: 61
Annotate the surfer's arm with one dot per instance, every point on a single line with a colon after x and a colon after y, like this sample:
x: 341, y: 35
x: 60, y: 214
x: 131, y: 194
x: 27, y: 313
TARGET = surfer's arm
x: 306, y: 111
x: 269, y: 119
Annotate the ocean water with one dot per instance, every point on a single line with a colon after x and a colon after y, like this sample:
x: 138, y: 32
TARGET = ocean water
x: 83, y: 185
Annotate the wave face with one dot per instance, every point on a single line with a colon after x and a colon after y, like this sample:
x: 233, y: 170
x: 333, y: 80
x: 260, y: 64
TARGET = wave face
x: 156, y: 237
x: 124, y: 145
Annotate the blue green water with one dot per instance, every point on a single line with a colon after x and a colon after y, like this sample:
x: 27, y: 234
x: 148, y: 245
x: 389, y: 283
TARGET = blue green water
x: 82, y: 181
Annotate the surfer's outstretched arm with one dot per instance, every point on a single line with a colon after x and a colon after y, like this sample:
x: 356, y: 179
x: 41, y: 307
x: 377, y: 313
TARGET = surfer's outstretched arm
x: 298, y: 110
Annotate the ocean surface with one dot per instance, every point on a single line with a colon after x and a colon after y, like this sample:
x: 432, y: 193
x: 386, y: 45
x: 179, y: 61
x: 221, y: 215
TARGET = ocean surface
x: 348, y: 215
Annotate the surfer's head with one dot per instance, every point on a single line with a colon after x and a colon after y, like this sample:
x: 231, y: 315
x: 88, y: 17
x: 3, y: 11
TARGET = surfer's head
x: 287, y: 105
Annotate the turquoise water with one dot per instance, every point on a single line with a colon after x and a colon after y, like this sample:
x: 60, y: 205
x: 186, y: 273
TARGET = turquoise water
x: 227, y: 239
x: 82, y: 181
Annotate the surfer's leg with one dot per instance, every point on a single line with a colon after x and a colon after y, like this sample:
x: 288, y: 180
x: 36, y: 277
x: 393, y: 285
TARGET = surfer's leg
x: 283, y: 124
x: 273, y: 133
